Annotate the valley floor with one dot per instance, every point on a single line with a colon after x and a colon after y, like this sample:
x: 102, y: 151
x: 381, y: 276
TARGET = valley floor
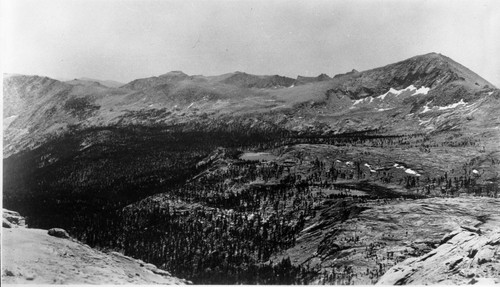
x: 338, y: 210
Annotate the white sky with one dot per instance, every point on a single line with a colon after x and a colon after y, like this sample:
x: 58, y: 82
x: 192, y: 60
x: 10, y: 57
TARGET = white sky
x: 129, y: 39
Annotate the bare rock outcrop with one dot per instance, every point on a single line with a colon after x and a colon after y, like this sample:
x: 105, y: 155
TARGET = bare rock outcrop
x: 58, y: 232
x: 466, y: 256
x: 38, y: 256
x: 12, y: 219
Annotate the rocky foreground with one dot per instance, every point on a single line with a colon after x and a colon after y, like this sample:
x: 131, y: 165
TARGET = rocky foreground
x: 467, y: 255
x: 32, y: 256
x: 399, y: 242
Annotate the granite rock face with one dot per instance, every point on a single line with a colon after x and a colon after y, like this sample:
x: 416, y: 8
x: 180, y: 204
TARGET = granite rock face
x: 36, y: 256
x: 464, y: 257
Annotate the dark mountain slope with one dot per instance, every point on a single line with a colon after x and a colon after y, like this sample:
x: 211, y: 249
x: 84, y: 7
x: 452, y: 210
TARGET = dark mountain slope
x: 245, y: 80
x: 40, y: 107
x: 301, y: 80
x: 146, y: 83
x: 21, y: 92
x: 107, y: 83
x: 430, y: 70
x: 176, y: 97
x: 81, y: 82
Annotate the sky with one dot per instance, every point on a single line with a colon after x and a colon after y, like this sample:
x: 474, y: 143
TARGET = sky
x: 129, y: 39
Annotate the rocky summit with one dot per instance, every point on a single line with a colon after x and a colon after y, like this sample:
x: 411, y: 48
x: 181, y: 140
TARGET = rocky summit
x: 383, y: 176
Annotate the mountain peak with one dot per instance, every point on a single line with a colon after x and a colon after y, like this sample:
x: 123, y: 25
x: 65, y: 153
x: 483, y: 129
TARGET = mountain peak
x: 429, y: 70
x: 301, y: 80
x: 323, y: 77
x: 174, y: 74
x: 431, y: 54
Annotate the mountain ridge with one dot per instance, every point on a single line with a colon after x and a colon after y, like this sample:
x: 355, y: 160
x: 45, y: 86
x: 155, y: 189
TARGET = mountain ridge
x: 45, y: 107
x: 172, y: 75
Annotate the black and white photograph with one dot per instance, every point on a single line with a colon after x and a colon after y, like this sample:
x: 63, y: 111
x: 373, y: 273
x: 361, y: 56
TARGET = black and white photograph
x: 250, y: 142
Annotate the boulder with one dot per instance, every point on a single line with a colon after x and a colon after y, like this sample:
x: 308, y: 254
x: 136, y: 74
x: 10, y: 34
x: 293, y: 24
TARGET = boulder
x: 58, y: 232
x: 486, y: 254
x: 12, y: 217
x: 6, y: 223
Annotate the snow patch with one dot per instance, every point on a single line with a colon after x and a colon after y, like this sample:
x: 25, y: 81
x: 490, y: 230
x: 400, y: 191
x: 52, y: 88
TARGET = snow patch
x: 452, y: 106
x: 423, y: 90
x: 490, y: 93
x: 426, y: 108
x: 398, y: 92
x: 358, y: 101
x: 407, y: 170
x: 391, y: 91
x: 370, y: 167
x: 370, y: 98
x: 410, y: 88
x: 410, y: 171
x: 190, y: 105
x: 475, y: 171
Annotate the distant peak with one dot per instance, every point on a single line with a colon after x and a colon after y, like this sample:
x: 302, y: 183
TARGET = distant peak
x: 301, y: 80
x: 431, y: 56
x: 323, y: 76
x: 352, y: 72
x: 28, y: 77
x: 429, y: 70
x: 174, y: 74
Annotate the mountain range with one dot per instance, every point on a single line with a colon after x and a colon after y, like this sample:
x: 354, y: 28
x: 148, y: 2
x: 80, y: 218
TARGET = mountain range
x: 397, y: 97
x: 266, y: 179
